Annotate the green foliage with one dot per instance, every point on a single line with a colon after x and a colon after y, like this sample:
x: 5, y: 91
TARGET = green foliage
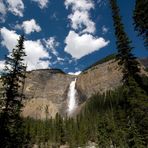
x: 106, y: 59
x: 11, y: 124
x: 137, y: 102
x: 140, y: 17
x: 116, y: 118
x: 126, y: 58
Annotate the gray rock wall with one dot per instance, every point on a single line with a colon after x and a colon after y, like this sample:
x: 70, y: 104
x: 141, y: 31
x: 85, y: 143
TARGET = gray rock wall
x: 46, y: 94
x: 46, y: 91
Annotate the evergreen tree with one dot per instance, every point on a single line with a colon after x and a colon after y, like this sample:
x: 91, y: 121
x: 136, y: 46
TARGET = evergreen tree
x: 125, y: 56
x: 137, y: 103
x: 141, y: 19
x: 11, y: 124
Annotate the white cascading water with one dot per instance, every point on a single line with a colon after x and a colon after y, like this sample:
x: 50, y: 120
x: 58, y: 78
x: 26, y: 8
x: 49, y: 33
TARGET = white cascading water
x: 72, y: 97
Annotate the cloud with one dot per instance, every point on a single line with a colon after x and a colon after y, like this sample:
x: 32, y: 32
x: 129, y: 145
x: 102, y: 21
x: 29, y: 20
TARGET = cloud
x: 2, y: 8
x: 3, y: 11
x: 82, y: 5
x: 101, y: 3
x: 51, y: 45
x: 34, y: 49
x: 75, y: 73
x: 42, y: 3
x: 35, y: 52
x: 29, y: 26
x: 80, y: 20
x: 9, y: 38
x: 2, y: 65
x: 104, y: 29
x: 16, y: 7
x: 83, y: 42
x: 79, y: 46
x: 80, y: 17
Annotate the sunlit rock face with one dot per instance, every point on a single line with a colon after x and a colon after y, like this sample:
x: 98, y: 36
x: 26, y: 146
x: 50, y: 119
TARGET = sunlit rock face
x: 46, y: 93
x: 99, y: 78
x: 51, y: 91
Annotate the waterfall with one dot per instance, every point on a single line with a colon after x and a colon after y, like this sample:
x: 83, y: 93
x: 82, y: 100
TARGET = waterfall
x: 72, y: 97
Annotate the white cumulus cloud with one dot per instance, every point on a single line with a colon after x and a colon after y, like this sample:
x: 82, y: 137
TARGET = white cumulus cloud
x: 79, y: 4
x: 2, y: 7
x: 42, y: 3
x: 16, y: 7
x: 34, y: 49
x: 79, y: 46
x: 9, y: 38
x: 80, y: 20
x: 83, y: 42
x: 29, y: 26
x: 80, y: 17
x: 104, y: 29
x: 35, y: 52
x: 51, y: 45
x: 75, y: 73
x: 3, y: 11
x: 2, y: 65
x: 102, y: 3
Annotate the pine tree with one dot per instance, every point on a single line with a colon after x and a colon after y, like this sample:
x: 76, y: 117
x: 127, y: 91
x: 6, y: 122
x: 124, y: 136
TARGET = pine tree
x: 137, y: 101
x: 125, y: 56
x: 140, y: 17
x: 11, y: 124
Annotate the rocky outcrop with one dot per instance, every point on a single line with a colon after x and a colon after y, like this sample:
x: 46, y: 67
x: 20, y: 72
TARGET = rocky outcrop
x: 46, y: 90
x: 46, y: 93
x: 100, y: 78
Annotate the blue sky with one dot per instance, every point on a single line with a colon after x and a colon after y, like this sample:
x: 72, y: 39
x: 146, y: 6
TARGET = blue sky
x: 65, y: 34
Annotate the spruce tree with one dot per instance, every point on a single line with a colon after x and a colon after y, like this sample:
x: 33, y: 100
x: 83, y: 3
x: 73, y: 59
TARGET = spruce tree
x: 11, y: 124
x: 126, y: 59
x: 134, y: 99
x: 140, y: 17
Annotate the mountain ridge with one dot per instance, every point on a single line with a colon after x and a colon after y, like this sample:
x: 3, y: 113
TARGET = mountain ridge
x: 46, y: 90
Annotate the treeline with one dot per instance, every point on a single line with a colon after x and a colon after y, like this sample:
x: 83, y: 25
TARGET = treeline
x: 107, y: 120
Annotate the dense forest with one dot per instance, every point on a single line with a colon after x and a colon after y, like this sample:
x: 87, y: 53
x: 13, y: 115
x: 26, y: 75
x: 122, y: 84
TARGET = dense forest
x: 116, y: 118
x: 105, y: 120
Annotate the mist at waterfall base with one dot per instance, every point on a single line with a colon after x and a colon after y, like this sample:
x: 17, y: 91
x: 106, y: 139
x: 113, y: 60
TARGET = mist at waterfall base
x: 72, y: 104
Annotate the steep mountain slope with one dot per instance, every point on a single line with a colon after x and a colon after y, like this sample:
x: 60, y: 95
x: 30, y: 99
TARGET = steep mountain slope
x: 46, y: 90
x: 46, y: 93
x: 99, y: 78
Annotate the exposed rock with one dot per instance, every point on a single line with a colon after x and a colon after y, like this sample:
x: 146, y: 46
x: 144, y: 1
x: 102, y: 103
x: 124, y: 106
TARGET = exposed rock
x: 100, y: 78
x: 46, y: 90
x: 46, y: 93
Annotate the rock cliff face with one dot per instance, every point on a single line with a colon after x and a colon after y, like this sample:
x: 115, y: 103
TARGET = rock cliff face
x: 46, y: 90
x: 99, y: 78
x: 46, y: 93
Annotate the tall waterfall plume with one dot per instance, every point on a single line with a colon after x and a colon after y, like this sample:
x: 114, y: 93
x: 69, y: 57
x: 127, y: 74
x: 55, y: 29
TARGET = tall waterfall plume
x: 72, y: 104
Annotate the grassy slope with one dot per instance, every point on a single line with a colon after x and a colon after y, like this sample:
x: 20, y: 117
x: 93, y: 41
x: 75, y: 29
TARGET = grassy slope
x: 106, y: 59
